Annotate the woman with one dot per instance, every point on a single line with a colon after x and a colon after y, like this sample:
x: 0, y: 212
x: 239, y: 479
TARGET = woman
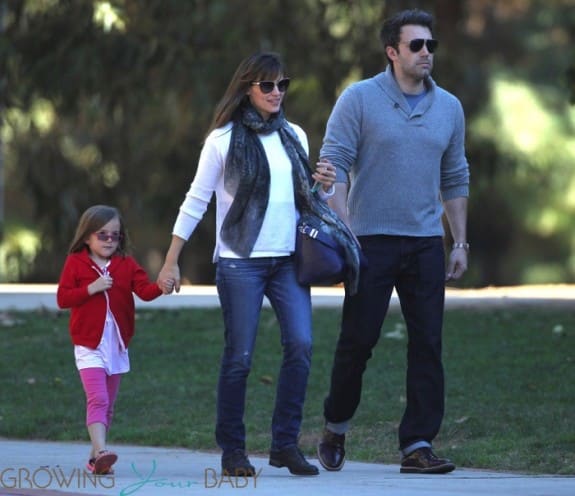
x: 257, y: 164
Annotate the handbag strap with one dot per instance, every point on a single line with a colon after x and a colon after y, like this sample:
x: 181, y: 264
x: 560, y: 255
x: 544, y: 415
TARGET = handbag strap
x: 318, y: 235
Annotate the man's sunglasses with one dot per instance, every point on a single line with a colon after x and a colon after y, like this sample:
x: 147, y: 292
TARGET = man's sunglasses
x: 417, y: 44
x: 268, y: 86
x: 111, y: 236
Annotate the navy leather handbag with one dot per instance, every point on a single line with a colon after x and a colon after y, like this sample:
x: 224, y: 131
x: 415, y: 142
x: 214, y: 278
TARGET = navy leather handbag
x: 319, y: 260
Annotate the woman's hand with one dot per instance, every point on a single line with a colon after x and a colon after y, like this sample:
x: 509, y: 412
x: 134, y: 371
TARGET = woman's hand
x: 324, y: 173
x: 169, y: 278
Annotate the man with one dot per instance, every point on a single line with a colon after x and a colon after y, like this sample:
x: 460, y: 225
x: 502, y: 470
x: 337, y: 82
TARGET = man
x: 397, y: 140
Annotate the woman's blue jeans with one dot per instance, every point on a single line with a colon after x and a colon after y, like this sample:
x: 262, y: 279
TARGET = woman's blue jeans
x: 242, y: 284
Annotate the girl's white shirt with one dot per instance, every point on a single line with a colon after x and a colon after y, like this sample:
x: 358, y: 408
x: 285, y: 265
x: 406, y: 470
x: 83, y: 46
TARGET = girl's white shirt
x: 111, y: 353
x: 277, y: 234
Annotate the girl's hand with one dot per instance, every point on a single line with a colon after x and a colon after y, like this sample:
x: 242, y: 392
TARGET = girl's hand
x: 101, y: 284
x: 324, y: 173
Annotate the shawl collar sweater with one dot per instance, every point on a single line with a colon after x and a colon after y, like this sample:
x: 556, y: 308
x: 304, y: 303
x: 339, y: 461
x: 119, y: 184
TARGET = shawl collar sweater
x: 400, y: 163
x: 88, y: 312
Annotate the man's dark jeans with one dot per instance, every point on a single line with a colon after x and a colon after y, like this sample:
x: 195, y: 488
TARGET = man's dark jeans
x: 416, y: 268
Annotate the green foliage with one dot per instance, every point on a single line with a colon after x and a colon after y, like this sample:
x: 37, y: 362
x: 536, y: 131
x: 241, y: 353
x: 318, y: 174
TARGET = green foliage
x: 509, y: 393
x: 109, y: 101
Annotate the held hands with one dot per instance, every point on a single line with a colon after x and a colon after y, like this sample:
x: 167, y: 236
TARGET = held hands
x: 457, y: 264
x: 169, y: 279
x: 101, y: 284
x: 324, y: 173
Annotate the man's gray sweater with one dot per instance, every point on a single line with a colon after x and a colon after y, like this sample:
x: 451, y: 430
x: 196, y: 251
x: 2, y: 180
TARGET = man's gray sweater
x: 400, y: 163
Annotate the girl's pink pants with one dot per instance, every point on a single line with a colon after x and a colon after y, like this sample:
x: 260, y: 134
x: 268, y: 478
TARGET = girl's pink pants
x: 101, y: 390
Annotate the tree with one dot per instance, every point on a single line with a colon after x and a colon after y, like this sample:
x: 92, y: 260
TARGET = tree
x: 108, y: 102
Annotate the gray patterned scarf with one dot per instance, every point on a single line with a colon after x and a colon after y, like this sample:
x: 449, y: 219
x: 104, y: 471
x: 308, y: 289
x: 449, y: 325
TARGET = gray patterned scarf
x: 247, y: 179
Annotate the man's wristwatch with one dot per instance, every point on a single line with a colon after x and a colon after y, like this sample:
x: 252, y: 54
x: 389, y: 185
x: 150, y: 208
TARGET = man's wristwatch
x: 465, y: 246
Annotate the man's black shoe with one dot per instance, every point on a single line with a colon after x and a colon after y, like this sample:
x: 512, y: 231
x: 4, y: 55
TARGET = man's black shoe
x: 331, y: 450
x: 237, y: 464
x: 292, y: 458
x: 424, y: 461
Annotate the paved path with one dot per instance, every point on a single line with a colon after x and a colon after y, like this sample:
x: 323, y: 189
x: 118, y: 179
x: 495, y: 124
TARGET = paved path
x: 49, y: 468
x: 34, y: 296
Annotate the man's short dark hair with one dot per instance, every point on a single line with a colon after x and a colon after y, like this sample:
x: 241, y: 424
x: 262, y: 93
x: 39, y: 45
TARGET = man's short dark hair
x: 391, y: 29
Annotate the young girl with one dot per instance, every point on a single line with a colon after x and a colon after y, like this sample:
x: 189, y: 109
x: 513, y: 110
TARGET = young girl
x: 97, y: 282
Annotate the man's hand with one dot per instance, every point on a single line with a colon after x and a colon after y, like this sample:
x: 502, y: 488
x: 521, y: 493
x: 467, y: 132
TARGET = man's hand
x: 457, y: 264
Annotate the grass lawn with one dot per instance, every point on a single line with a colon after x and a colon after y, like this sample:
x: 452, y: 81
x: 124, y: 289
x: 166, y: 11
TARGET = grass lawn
x: 510, y: 385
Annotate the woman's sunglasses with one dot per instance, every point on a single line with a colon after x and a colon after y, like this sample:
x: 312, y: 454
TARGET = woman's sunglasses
x: 417, y: 44
x: 268, y: 86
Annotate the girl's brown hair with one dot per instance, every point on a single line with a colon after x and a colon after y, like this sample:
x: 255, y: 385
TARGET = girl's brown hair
x: 260, y: 66
x: 91, y: 221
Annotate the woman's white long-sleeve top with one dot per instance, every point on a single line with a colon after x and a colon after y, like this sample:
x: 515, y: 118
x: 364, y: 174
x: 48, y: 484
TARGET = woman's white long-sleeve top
x: 277, y: 234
